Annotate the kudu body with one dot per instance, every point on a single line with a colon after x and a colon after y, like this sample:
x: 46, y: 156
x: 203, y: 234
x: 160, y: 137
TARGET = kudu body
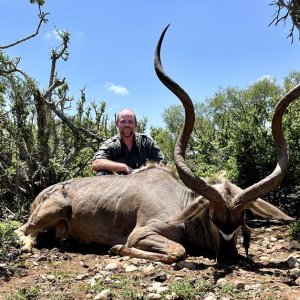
x: 149, y: 213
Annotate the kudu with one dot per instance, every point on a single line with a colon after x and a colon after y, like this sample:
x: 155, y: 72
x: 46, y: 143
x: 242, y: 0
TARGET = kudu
x: 149, y: 213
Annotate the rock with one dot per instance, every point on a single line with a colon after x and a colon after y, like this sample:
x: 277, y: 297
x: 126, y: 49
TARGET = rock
x: 211, y: 296
x: 107, y: 280
x: 292, y: 262
x: 240, y: 285
x: 123, y: 258
x: 92, y: 282
x: 51, y: 277
x: 111, y: 267
x: 137, y: 261
x: 221, y: 281
x: 178, y: 278
x: 162, y: 289
x: 161, y: 277
x: 157, y: 288
x: 173, y: 296
x: 264, y: 258
x: 273, y: 239
x: 294, y: 245
x: 131, y: 268
x: 149, y: 269
x: 42, y: 258
x: 185, y: 265
x: 104, y: 295
x: 81, y: 276
x: 256, y: 286
x: 153, y: 296
x: 154, y: 286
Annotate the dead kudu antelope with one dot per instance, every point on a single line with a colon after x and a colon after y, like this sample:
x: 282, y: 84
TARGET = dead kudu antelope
x: 150, y: 214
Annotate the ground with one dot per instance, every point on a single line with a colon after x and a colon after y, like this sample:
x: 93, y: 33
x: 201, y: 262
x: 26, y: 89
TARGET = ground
x: 73, y: 272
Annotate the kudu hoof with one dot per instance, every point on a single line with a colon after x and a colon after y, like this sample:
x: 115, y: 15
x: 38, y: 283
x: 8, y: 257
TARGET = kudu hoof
x: 115, y: 250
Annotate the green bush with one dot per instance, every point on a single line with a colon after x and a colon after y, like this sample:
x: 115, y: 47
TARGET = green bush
x: 294, y: 230
x: 8, y: 240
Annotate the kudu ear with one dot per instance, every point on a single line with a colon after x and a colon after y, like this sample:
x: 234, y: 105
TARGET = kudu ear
x: 267, y: 210
x: 190, y: 212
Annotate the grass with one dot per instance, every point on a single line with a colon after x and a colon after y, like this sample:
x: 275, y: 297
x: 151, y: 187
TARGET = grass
x: 121, y: 286
x: 32, y: 293
x: 61, y: 277
x: 188, y: 289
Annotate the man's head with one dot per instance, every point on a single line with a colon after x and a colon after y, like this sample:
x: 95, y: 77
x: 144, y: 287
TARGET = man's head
x: 126, y: 122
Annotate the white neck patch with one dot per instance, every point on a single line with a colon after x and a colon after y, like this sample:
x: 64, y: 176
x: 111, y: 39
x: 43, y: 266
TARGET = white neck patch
x: 228, y: 237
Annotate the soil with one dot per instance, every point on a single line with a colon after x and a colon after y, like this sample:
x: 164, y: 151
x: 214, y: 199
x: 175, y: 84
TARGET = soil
x: 271, y: 271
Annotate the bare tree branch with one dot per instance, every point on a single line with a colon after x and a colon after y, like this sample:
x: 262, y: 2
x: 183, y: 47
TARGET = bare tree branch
x: 70, y: 124
x: 43, y: 19
x: 292, y: 8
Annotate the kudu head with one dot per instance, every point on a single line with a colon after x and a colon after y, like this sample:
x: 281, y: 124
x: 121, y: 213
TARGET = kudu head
x: 224, y: 202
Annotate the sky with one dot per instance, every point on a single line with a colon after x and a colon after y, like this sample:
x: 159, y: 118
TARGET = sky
x: 209, y: 45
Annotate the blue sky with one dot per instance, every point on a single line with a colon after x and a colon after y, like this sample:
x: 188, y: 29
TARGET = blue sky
x: 210, y: 44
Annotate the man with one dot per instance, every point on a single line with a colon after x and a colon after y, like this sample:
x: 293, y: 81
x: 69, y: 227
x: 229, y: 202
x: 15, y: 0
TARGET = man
x: 126, y: 151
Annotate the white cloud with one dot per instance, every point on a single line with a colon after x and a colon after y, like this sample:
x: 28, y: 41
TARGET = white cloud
x: 53, y: 34
x: 267, y: 76
x: 117, y: 89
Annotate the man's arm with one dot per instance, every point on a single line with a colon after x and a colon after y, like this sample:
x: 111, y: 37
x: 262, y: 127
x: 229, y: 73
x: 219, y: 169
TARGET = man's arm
x: 103, y: 159
x: 155, y: 153
x: 111, y: 166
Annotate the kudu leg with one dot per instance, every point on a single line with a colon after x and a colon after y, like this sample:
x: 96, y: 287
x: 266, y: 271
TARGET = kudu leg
x: 151, y: 246
x: 49, y: 214
x: 246, y: 237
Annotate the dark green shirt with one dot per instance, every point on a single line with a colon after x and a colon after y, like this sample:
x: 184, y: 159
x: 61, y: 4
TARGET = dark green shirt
x: 144, y: 149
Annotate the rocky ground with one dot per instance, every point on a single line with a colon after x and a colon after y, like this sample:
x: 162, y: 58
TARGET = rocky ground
x: 272, y: 272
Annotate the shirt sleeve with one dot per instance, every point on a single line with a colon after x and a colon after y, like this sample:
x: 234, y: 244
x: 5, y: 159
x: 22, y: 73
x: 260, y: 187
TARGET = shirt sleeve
x: 155, y: 153
x: 103, y: 152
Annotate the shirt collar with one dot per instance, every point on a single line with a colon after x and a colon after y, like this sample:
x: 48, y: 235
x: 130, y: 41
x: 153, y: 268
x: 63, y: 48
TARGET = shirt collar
x: 136, y: 139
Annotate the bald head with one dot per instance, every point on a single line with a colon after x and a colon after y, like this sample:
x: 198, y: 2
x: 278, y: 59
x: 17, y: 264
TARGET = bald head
x: 126, y: 123
x: 126, y: 112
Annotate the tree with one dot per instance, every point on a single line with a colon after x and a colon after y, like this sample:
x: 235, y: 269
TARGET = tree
x: 232, y: 134
x: 41, y: 143
x: 285, y: 9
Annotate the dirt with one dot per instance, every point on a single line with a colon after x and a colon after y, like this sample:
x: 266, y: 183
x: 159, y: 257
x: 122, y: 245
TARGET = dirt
x: 81, y: 272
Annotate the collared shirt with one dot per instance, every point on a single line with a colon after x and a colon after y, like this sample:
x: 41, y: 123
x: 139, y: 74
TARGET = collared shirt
x: 143, y: 149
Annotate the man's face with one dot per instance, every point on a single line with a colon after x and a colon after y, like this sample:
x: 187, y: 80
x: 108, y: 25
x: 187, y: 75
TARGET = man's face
x: 126, y: 123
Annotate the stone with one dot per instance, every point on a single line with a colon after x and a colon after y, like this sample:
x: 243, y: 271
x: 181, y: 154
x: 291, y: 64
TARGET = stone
x: 42, y: 258
x: 240, y: 285
x: 221, y: 281
x: 51, y: 277
x: 111, y: 267
x: 292, y: 262
x: 131, y: 268
x: 153, y: 296
x: 81, y: 276
x: 211, y: 296
x: 273, y: 239
x: 104, y: 295
x: 149, y: 269
x: 294, y: 245
x: 161, y: 277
